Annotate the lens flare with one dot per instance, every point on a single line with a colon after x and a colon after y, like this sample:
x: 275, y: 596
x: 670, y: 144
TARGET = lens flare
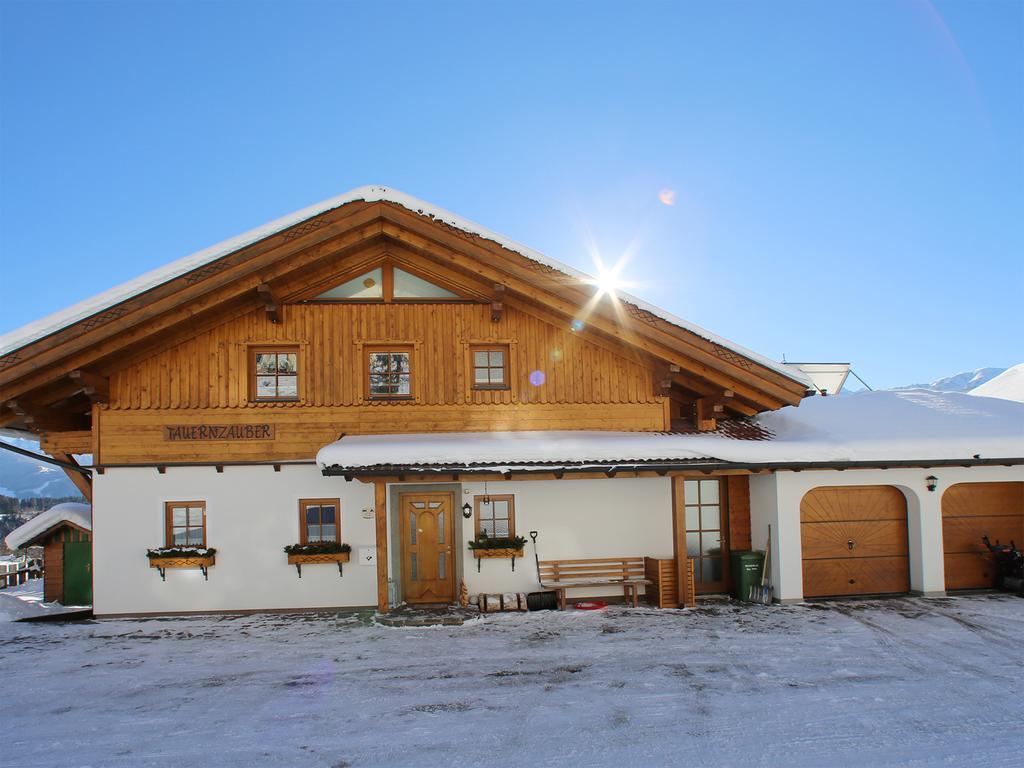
x: 576, y: 325
x: 537, y: 378
x: 667, y: 197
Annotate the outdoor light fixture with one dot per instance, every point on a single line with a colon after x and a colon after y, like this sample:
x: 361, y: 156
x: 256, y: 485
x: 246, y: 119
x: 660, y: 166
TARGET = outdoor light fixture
x: 931, y: 482
x: 467, y: 511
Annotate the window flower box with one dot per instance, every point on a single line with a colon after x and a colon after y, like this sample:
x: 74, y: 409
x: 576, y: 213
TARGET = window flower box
x: 484, y: 547
x: 163, y: 558
x: 497, y: 552
x: 318, y: 554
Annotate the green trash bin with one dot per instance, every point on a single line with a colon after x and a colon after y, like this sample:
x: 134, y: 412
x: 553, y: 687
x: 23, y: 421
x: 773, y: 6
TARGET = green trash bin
x: 746, y: 572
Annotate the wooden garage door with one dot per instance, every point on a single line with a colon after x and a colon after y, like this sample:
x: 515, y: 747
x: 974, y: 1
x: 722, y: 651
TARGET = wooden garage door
x: 854, y: 541
x: 973, y: 510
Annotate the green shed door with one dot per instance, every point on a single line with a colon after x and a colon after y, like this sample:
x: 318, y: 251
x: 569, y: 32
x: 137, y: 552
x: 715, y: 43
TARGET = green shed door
x: 77, y: 573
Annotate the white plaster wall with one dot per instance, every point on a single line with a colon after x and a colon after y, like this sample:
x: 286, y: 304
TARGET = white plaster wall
x: 776, y: 499
x: 251, y: 514
x: 575, y: 519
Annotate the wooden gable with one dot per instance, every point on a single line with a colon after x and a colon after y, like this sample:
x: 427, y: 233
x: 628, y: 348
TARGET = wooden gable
x: 268, y: 289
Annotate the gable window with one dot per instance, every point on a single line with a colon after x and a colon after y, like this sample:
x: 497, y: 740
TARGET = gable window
x: 389, y: 283
x: 490, y: 367
x: 389, y: 372
x: 275, y: 373
x: 185, y: 523
x: 495, y: 516
x: 319, y: 520
x: 367, y: 287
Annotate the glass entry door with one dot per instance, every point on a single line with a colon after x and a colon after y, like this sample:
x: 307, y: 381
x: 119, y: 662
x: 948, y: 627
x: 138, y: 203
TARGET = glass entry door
x: 706, y: 526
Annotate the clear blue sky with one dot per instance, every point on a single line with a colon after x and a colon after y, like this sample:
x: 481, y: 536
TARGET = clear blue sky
x: 849, y: 177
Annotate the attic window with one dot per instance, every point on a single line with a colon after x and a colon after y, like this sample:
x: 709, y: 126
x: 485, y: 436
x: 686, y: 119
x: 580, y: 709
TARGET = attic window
x: 408, y: 286
x: 388, y: 283
x: 366, y: 287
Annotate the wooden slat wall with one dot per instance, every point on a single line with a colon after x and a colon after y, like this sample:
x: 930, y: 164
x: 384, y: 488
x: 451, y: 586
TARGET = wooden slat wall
x: 210, y: 370
x: 53, y: 569
x: 138, y: 436
x: 738, y: 494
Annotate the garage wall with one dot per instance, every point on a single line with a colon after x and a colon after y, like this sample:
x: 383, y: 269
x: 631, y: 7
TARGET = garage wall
x: 776, y: 499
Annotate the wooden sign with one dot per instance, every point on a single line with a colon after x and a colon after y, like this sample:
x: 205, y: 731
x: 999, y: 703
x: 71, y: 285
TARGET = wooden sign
x: 219, y: 432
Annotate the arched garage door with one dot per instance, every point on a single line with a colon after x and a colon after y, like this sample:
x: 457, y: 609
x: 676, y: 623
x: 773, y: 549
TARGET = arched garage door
x: 973, y: 510
x: 854, y: 541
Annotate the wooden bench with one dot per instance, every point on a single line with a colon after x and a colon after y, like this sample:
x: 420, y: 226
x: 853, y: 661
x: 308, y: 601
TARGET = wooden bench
x: 561, y: 575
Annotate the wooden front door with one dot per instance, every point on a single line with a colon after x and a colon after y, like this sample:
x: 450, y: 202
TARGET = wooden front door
x: 427, y: 562
x: 854, y: 541
x: 969, y: 512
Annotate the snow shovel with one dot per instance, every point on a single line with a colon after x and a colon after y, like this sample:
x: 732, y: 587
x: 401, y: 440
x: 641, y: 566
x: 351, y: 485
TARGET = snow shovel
x: 763, y: 594
x: 536, y: 558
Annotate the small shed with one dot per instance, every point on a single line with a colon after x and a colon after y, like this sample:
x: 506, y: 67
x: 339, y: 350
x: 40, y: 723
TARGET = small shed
x: 65, y: 534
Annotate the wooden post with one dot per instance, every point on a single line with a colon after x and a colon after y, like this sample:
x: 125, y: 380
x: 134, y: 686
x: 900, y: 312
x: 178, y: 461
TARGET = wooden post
x: 381, y: 532
x: 82, y: 482
x: 679, y: 537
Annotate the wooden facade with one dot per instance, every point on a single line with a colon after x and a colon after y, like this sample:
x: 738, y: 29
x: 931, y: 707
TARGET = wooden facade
x: 178, y: 353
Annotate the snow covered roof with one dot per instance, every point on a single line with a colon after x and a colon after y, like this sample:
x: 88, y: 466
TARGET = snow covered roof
x: 504, y: 448
x: 59, y: 320
x: 1008, y: 385
x: 69, y: 512
x: 910, y: 425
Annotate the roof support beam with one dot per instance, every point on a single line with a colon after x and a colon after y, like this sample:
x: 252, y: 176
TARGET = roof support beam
x: 270, y: 303
x: 96, y: 388
x: 497, y: 303
x: 37, y: 418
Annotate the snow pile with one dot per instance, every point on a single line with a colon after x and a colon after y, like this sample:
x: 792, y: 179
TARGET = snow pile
x: 58, y: 320
x: 70, y: 512
x: 909, y: 425
x: 1009, y: 385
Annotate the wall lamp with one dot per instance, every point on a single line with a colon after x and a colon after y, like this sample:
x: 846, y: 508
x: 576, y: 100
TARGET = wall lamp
x: 931, y: 482
x: 467, y: 511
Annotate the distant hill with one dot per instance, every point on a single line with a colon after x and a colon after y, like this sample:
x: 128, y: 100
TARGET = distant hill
x: 25, y: 478
x: 960, y: 382
x: 1008, y: 385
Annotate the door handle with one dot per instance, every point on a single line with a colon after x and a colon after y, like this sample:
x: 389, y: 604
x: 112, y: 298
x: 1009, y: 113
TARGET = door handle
x: 850, y: 544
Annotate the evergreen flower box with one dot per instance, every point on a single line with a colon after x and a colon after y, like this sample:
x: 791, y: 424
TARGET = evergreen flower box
x: 163, y: 558
x: 317, y: 554
x: 484, y: 547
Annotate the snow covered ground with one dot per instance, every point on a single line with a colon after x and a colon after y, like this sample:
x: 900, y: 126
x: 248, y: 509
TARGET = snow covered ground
x: 904, y: 682
x: 26, y: 600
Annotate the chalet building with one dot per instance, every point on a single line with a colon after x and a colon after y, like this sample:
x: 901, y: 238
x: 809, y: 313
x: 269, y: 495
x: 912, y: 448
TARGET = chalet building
x: 395, y: 394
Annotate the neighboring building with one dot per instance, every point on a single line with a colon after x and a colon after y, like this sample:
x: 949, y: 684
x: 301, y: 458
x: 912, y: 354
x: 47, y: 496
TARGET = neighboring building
x: 65, y: 534
x: 376, y: 371
x: 17, y: 569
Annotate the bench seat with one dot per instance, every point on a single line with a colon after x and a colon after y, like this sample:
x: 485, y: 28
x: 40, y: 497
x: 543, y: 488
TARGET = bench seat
x: 562, y: 575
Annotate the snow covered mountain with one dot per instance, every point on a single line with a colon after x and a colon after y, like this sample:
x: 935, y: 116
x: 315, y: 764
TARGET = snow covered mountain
x: 960, y: 382
x: 25, y: 478
x: 1009, y: 385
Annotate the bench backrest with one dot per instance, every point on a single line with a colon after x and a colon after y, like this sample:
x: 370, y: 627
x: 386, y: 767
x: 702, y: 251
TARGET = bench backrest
x: 592, y: 568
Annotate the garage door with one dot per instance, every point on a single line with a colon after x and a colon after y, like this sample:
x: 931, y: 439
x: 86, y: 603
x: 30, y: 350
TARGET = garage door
x: 854, y: 541
x: 973, y: 510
